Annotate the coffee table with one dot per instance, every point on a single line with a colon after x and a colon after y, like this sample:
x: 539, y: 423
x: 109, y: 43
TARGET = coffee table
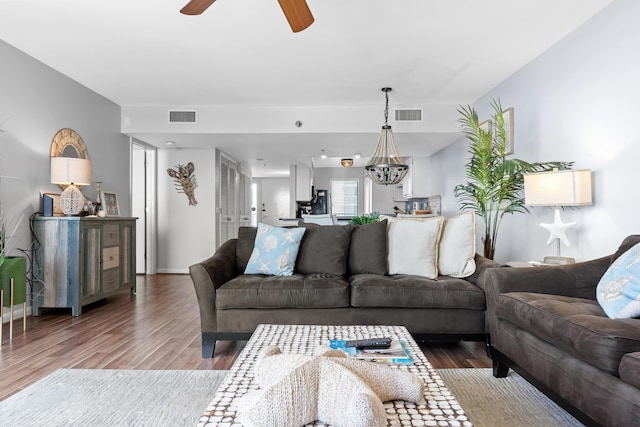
x: 440, y: 409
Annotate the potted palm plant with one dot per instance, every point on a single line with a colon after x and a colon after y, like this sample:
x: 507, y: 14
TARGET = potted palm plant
x: 495, y: 184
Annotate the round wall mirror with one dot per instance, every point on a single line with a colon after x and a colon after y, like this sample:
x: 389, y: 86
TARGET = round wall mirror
x: 67, y: 143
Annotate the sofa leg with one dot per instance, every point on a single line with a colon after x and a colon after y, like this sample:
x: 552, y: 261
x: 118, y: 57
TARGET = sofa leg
x: 500, y: 369
x: 208, y: 344
x: 487, y: 346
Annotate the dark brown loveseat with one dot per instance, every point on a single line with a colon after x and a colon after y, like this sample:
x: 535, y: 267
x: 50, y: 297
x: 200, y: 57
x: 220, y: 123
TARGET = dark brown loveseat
x: 546, y: 324
x: 340, y: 278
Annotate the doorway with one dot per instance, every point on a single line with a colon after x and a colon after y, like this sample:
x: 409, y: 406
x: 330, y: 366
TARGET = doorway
x: 143, y: 204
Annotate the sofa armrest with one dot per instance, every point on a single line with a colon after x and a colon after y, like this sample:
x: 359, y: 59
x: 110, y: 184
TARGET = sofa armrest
x: 572, y: 280
x: 482, y: 265
x: 209, y: 275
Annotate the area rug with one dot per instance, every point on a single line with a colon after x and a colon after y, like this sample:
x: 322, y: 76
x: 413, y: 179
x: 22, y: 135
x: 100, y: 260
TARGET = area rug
x: 496, y: 402
x: 108, y: 397
x: 111, y: 397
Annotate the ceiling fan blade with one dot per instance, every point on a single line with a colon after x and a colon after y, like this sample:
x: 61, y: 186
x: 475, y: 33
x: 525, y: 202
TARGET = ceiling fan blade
x: 297, y: 13
x: 196, y: 7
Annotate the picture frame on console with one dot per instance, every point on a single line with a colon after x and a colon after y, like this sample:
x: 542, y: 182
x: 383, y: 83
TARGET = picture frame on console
x: 110, y: 203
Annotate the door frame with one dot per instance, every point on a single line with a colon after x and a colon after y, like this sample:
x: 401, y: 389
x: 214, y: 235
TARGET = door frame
x: 151, y: 210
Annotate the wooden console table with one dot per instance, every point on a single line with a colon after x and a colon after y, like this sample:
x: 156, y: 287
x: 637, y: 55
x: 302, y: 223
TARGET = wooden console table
x: 82, y: 260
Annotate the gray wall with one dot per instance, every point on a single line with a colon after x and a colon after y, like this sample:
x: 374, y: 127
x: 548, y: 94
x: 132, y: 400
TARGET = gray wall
x: 575, y: 102
x: 36, y: 102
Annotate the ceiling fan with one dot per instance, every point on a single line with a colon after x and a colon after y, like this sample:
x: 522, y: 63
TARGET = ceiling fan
x: 296, y: 11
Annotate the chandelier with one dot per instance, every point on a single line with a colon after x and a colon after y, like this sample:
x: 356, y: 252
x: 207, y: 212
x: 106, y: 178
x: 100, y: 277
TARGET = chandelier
x: 386, y: 166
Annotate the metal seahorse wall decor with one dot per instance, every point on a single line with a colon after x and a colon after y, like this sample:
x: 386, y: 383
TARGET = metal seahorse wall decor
x: 184, y: 181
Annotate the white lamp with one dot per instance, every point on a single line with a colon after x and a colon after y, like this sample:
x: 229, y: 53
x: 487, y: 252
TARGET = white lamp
x: 71, y: 172
x: 558, y: 188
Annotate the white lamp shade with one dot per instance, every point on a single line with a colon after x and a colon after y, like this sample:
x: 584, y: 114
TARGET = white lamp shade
x: 67, y: 170
x: 558, y: 188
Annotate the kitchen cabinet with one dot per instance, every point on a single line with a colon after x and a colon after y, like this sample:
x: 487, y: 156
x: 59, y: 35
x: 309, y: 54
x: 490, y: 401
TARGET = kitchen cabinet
x: 417, y: 183
x: 82, y: 260
x: 303, y: 182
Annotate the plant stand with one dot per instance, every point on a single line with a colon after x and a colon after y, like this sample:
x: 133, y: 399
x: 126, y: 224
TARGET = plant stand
x: 13, y: 274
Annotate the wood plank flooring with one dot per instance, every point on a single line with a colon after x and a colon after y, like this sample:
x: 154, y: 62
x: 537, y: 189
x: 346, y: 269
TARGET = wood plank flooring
x: 158, y: 328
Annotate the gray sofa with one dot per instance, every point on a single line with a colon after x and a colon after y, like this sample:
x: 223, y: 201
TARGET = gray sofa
x: 546, y: 324
x: 339, y: 278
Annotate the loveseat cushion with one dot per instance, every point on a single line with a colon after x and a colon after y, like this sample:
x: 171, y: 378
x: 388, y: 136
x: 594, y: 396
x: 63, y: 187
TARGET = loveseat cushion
x: 401, y: 290
x: 324, y: 249
x: 368, y: 249
x: 297, y: 291
x: 576, y: 325
x: 630, y: 369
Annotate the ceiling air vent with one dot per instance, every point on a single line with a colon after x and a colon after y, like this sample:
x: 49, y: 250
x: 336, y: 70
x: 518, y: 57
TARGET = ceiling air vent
x: 184, y: 116
x: 408, y: 115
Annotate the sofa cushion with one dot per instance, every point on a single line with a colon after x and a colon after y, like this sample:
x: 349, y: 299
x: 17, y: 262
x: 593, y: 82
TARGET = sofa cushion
x: 369, y: 290
x: 368, y: 249
x: 618, y: 291
x: 457, y: 251
x: 413, y: 246
x: 297, y: 291
x: 324, y: 249
x: 576, y: 325
x: 275, y: 250
x: 246, y: 241
x: 630, y: 369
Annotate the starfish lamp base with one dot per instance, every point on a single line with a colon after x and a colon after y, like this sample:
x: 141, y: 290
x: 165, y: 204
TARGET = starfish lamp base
x: 557, y: 231
x: 558, y: 260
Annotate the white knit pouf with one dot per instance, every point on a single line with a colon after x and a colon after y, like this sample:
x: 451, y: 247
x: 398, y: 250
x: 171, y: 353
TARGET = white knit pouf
x: 299, y: 389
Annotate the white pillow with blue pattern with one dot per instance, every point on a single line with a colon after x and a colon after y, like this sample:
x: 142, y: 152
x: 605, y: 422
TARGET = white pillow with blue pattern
x: 618, y: 291
x: 275, y: 250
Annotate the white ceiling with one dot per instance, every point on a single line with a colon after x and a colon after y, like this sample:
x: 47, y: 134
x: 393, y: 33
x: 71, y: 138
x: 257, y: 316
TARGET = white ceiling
x: 242, y: 52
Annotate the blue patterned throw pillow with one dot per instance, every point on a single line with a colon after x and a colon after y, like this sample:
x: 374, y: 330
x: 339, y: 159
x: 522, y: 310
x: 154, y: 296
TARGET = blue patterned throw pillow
x: 275, y: 250
x: 618, y: 291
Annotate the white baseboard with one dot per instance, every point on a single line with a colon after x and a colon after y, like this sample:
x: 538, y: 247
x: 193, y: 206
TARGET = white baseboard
x: 173, y: 271
x: 17, y: 313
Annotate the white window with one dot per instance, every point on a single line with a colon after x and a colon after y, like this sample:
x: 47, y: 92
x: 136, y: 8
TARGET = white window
x: 344, y: 197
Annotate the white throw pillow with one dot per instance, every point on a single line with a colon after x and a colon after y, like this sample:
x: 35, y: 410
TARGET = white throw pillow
x: 413, y: 246
x: 456, y: 257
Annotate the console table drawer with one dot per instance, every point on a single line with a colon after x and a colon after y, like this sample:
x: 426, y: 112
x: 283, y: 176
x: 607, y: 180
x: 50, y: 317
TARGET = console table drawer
x: 111, y: 235
x: 110, y: 279
x: 110, y: 257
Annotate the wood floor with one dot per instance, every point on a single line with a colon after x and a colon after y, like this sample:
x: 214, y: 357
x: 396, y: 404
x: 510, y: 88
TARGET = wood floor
x: 158, y: 328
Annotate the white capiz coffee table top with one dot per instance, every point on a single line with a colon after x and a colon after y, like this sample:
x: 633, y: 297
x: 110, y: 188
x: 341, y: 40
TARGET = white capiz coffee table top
x: 440, y: 407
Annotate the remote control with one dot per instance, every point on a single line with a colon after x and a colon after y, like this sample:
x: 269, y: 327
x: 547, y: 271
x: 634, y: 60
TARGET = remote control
x: 369, y: 343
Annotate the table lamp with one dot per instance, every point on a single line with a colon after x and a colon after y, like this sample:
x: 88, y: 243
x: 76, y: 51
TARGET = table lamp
x: 558, y: 188
x: 71, y: 172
